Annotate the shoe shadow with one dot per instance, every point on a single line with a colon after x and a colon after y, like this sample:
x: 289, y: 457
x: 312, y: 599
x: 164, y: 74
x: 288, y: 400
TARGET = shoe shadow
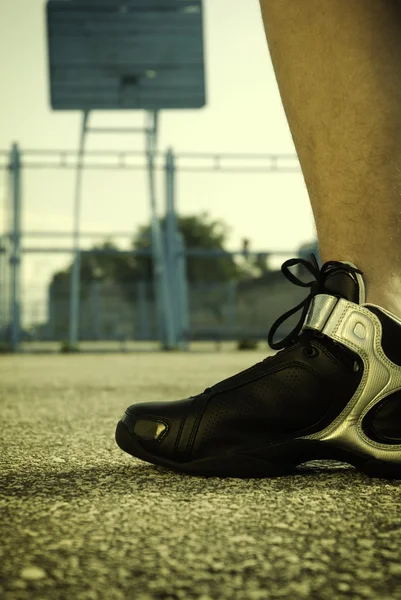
x: 80, y: 481
x: 141, y: 477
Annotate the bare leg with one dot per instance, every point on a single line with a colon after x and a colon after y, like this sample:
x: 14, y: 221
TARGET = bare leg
x: 338, y: 67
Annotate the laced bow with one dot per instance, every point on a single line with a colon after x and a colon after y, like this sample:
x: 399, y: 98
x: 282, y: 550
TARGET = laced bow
x: 316, y: 287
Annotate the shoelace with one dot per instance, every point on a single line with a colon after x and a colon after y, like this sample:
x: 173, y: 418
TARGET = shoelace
x: 316, y: 286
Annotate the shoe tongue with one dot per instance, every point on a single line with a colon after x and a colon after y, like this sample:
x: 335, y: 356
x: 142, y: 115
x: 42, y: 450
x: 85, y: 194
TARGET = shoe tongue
x: 345, y: 283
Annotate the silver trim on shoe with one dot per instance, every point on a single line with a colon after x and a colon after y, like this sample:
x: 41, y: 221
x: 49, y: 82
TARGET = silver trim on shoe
x: 360, y: 330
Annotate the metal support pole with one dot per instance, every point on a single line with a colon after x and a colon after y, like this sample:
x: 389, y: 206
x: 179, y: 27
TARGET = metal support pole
x: 171, y: 243
x: 50, y: 329
x: 164, y: 309
x: 183, y: 292
x: 8, y: 238
x: 15, y: 258
x: 75, y: 270
x: 3, y: 283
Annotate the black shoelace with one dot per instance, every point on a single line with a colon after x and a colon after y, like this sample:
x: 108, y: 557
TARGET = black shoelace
x: 316, y: 287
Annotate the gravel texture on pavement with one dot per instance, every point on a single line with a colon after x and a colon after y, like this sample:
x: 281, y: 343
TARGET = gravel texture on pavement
x: 80, y: 519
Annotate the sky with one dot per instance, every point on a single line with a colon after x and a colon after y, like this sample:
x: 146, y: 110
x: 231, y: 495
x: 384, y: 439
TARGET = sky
x: 243, y: 114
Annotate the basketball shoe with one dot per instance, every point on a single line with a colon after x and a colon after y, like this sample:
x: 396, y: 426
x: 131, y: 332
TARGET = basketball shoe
x: 332, y: 391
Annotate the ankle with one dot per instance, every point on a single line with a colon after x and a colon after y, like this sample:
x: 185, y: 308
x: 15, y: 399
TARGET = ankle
x: 388, y: 301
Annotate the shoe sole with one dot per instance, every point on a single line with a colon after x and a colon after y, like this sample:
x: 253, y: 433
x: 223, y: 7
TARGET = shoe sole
x: 272, y: 461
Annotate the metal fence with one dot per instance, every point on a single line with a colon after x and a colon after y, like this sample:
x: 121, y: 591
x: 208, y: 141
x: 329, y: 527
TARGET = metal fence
x: 241, y: 308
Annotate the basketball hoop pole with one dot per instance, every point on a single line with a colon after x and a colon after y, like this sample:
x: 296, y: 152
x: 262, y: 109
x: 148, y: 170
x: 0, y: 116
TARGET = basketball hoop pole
x: 168, y: 333
x: 162, y: 288
x: 157, y: 63
x: 75, y: 269
x: 175, y: 258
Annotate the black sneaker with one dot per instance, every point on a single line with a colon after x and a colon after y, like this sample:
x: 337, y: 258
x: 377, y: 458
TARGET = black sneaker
x: 332, y: 392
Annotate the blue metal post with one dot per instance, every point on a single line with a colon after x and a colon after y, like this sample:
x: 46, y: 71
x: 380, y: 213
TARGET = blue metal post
x: 172, y: 257
x: 50, y: 329
x: 15, y: 258
x: 164, y: 309
x: 3, y: 284
x: 183, y: 292
x: 75, y: 270
x: 8, y: 242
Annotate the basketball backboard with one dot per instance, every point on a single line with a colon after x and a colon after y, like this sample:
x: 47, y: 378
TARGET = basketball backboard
x: 126, y: 54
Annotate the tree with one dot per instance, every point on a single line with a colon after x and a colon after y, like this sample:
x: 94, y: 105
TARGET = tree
x: 199, y: 232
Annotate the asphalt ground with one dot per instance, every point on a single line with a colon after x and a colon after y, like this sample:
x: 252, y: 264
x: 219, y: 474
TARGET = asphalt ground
x: 82, y: 520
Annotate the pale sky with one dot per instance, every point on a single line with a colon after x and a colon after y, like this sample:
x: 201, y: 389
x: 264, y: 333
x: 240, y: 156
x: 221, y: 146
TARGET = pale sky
x: 243, y: 114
